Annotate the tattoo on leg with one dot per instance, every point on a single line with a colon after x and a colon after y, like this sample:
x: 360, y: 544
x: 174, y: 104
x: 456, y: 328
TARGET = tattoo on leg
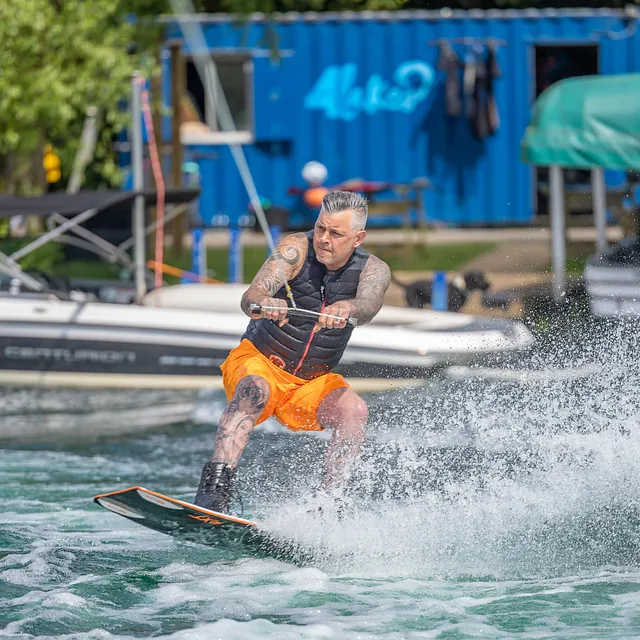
x: 251, y: 394
x: 238, y: 420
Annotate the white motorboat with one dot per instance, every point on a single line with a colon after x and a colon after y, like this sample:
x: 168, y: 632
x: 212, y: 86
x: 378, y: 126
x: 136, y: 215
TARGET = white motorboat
x: 612, y: 280
x: 52, y: 342
x: 422, y: 338
x: 177, y: 336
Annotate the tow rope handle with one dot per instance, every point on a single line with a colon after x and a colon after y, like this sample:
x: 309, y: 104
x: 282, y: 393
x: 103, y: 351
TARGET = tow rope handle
x: 256, y: 308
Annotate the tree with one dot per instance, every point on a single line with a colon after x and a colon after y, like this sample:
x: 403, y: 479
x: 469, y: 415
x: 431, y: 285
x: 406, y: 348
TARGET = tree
x: 57, y: 58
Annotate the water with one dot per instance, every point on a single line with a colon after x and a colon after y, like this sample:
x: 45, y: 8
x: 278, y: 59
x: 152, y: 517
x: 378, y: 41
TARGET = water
x: 482, y: 507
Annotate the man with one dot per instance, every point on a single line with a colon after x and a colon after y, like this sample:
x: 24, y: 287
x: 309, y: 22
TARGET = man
x: 283, y: 364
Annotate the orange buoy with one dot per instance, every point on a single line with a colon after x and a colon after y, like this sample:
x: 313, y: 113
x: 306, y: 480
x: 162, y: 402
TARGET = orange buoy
x: 313, y: 197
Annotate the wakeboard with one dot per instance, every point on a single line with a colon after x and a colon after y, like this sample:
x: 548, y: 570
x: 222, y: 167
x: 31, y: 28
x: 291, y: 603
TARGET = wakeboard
x: 181, y: 519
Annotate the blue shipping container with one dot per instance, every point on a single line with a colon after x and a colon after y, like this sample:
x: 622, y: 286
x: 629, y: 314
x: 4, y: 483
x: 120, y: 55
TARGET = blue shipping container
x: 363, y: 94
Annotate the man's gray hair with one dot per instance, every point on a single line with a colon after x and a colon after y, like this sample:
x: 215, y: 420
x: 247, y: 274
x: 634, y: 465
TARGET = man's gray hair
x: 339, y: 201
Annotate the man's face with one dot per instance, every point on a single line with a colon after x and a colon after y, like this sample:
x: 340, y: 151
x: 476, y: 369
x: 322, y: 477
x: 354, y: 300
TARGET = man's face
x: 334, y: 238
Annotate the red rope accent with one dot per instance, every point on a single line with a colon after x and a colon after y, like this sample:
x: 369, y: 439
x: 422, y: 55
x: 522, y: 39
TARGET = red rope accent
x: 156, y: 166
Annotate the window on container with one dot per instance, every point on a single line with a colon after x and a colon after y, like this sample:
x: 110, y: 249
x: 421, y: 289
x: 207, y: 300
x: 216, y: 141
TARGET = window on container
x: 201, y: 124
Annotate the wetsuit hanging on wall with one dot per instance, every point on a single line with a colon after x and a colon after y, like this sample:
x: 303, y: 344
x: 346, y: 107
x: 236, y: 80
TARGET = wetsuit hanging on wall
x: 481, y: 127
x: 493, y: 72
x: 469, y: 83
x: 449, y: 62
x: 476, y: 92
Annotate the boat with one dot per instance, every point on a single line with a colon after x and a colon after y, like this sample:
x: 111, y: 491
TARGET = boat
x: 48, y: 341
x: 419, y: 339
x: 612, y: 280
x: 177, y: 336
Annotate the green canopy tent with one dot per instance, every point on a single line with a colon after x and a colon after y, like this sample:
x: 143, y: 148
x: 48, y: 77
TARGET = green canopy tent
x: 590, y: 122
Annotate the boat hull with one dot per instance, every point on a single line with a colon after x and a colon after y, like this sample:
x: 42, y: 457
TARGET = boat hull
x: 49, y: 342
x: 612, y: 280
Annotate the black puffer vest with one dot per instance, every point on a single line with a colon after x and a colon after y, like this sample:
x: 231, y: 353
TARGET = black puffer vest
x: 294, y: 347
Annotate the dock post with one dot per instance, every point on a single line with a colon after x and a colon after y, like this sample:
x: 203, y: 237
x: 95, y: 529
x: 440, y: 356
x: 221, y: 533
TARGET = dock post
x: 599, y: 199
x: 558, y: 245
x: 138, y: 221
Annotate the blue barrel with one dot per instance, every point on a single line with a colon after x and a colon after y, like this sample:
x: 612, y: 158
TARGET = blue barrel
x: 235, y: 255
x: 439, y: 292
x: 198, y: 252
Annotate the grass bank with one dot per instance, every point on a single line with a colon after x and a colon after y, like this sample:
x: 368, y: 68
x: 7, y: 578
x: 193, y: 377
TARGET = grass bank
x: 577, y: 255
x: 445, y: 257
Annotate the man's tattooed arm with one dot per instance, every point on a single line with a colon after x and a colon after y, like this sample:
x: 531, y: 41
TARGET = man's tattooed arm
x: 281, y: 266
x: 374, y: 282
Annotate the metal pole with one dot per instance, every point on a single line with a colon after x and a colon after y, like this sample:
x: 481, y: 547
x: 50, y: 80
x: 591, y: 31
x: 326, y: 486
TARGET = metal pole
x: 54, y: 233
x: 206, y: 68
x: 12, y: 268
x: 138, y: 185
x: 599, y: 207
x: 558, y: 248
x: 175, y: 210
x: 100, y: 243
x: 198, y: 245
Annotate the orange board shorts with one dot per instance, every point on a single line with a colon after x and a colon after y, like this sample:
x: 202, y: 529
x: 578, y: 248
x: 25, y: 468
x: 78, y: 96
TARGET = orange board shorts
x: 292, y: 400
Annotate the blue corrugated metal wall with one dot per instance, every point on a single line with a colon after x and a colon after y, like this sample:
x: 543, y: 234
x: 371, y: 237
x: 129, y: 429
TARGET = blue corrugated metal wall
x: 356, y: 94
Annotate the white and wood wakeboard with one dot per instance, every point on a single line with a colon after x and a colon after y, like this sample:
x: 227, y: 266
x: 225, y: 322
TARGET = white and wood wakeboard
x: 179, y: 519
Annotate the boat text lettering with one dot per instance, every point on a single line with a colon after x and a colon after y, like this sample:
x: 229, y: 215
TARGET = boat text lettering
x: 68, y: 355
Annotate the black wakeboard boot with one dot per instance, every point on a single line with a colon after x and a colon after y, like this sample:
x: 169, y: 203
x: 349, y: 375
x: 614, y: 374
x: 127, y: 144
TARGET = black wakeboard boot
x: 214, y: 491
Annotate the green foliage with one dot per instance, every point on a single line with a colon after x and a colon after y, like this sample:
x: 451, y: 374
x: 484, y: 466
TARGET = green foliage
x: 44, y: 258
x: 59, y: 57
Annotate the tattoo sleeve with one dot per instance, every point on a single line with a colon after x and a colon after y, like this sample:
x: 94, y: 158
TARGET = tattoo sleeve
x: 239, y: 418
x: 281, y: 266
x: 374, y: 282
